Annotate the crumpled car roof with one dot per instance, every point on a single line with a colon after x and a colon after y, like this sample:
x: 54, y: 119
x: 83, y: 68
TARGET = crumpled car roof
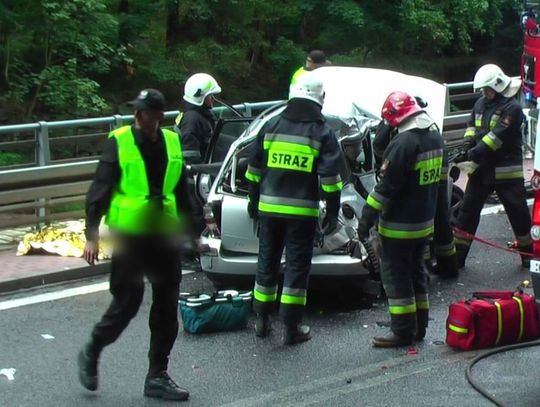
x: 349, y: 90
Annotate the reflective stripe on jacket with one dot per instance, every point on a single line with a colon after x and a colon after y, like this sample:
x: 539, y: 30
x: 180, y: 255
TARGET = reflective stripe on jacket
x: 411, y: 175
x: 495, y: 127
x: 292, y: 163
x: 132, y: 209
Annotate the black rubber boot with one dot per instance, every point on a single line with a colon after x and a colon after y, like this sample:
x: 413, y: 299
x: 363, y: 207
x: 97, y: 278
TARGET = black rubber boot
x: 447, y: 266
x: 161, y: 386
x: 391, y: 340
x: 296, y: 333
x: 262, y: 325
x: 461, y: 254
x: 420, y: 334
x: 87, y: 361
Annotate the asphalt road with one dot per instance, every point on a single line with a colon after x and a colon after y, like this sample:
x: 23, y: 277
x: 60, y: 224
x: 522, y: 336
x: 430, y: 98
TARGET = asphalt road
x: 337, y: 367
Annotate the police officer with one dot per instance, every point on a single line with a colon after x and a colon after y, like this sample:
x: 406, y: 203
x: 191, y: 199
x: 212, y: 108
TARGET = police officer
x: 140, y: 187
x: 315, y: 59
x: 493, y: 143
x: 406, y: 199
x: 444, y: 248
x: 294, y: 156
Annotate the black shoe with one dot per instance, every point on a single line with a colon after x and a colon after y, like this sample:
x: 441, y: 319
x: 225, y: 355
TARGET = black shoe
x: 88, y: 375
x: 391, y: 340
x: 262, y: 325
x: 420, y: 334
x: 163, y: 387
x: 296, y: 334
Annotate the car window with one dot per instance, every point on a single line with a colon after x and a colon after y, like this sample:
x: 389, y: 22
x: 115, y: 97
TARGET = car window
x: 225, y: 133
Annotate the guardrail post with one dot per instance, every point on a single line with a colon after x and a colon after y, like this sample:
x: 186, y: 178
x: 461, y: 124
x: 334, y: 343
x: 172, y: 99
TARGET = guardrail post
x: 43, y: 153
x: 118, y: 122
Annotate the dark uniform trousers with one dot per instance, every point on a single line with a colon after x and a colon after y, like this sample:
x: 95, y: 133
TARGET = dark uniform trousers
x: 297, y: 237
x: 134, y: 257
x: 406, y: 284
x: 512, y: 195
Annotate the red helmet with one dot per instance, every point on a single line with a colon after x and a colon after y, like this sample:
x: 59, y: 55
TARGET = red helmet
x: 398, y: 106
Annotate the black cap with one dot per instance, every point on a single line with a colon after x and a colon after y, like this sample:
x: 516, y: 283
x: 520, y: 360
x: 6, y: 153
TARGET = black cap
x: 149, y: 99
x: 317, y: 56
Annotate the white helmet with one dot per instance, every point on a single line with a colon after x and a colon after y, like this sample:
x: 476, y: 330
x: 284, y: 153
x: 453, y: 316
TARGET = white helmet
x: 493, y: 77
x: 308, y: 86
x: 198, y: 86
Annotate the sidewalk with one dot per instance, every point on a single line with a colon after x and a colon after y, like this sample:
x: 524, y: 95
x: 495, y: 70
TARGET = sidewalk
x: 19, y: 272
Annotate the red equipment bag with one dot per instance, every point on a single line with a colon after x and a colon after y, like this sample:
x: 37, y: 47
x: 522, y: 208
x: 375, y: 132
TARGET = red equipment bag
x: 490, y: 319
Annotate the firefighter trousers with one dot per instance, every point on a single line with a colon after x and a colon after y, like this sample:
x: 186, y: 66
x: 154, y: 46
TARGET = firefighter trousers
x: 512, y: 195
x: 406, y: 284
x: 296, y: 237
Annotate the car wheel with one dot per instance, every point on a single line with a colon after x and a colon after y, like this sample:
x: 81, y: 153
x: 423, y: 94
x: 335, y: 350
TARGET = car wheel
x: 456, y: 201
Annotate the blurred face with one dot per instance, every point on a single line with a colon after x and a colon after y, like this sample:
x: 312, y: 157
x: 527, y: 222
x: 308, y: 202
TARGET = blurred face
x: 148, y: 120
x: 489, y: 93
x: 209, y: 101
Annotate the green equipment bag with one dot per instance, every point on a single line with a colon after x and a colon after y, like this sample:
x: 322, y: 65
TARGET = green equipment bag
x: 223, y: 311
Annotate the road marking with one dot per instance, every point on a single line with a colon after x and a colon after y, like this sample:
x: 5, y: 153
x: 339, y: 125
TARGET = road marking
x: 321, y: 391
x: 58, y: 295
x: 496, y: 208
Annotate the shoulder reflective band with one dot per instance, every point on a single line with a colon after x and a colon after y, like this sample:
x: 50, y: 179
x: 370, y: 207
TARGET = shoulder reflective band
x: 458, y: 329
x: 179, y: 118
x: 521, y: 317
x: 499, y: 322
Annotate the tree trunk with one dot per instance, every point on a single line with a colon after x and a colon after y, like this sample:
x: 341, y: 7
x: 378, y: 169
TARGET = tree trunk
x: 123, y: 30
x: 173, y: 22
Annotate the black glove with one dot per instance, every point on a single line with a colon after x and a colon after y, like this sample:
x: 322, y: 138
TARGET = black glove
x: 329, y: 225
x: 366, y: 221
x: 461, y: 157
x: 468, y: 144
x: 252, y: 209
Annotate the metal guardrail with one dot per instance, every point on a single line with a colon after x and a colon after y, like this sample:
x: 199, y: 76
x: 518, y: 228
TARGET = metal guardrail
x: 54, y: 189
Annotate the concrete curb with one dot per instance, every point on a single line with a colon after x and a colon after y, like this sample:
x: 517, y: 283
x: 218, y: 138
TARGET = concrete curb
x: 54, y: 277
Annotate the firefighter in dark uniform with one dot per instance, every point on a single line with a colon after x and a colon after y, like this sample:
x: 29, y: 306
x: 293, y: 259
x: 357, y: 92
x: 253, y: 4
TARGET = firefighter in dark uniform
x: 195, y: 123
x: 295, y: 155
x: 406, y: 200
x: 493, y: 142
x: 140, y: 186
x: 444, y: 248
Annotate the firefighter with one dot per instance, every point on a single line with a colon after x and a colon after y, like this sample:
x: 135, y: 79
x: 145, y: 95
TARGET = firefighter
x: 295, y: 155
x: 315, y: 59
x: 195, y: 122
x: 195, y: 125
x: 493, y: 145
x: 443, y: 238
x: 406, y: 200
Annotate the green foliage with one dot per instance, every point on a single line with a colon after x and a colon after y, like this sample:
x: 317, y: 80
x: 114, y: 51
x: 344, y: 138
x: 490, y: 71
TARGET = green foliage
x: 61, y: 58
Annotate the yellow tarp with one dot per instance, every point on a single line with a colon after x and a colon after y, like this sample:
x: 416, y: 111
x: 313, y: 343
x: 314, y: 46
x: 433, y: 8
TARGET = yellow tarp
x: 66, y: 239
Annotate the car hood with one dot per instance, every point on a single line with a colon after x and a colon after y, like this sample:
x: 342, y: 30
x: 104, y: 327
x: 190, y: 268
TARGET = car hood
x: 350, y: 91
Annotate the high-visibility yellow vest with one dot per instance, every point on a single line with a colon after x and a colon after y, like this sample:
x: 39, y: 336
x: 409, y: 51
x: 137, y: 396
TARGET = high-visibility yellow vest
x: 132, y: 209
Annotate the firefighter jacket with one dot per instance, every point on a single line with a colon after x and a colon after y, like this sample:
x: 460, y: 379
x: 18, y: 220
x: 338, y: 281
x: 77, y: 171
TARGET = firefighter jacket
x: 495, y: 130
x: 195, y: 125
x: 133, y: 209
x: 406, y: 195
x: 294, y: 156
